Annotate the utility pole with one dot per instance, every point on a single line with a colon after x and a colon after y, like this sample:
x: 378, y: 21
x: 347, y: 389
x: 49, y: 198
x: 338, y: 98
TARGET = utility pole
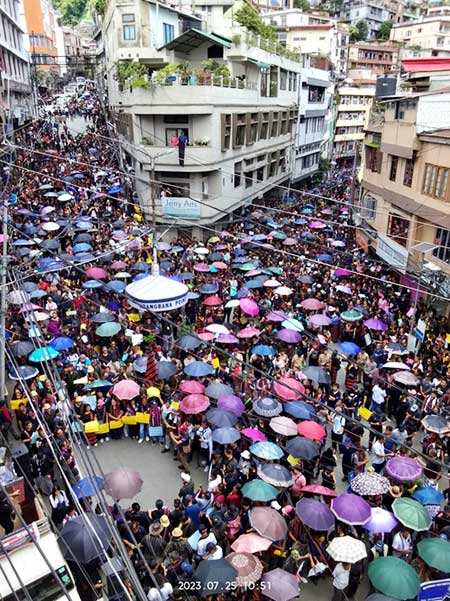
x: 4, y: 266
x: 354, y: 168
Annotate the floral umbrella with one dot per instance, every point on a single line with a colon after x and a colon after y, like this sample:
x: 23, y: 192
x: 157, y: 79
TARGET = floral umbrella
x: 370, y: 483
x: 249, y: 568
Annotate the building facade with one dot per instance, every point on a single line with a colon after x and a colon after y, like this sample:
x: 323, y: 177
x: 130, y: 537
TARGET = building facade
x: 376, y: 57
x: 429, y: 36
x: 16, y: 101
x: 42, y: 23
x: 373, y: 12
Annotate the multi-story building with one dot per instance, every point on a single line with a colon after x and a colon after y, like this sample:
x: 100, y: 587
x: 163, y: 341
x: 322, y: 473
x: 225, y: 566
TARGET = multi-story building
x: 373, y: 12
x: 376, y: 57
x: 425, y: 37
x: 16, y: 104
x: 232, y: 100
x: 353, y: 104
x: 42, y: 22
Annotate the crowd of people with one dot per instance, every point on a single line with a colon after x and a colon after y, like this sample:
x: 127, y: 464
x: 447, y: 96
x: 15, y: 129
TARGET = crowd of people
x: 294, y: 325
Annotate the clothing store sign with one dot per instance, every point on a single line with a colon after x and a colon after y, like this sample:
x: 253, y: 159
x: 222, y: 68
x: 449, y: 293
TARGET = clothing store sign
x: 180, y: 207
x: 393, y: 253
x: 436, y: 590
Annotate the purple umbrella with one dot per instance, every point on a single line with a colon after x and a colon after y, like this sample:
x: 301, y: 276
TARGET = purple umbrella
x: 381, y: 521
x: 277, y: 316
x: 320, y: 319
x: 227, y: 339
x: 351, y: 509
x: 232, y: 403
x: 341, y: 272
x: 314, y: 514
x: 344, y: 289
x: 404, y: 469
x: 279, y: 585
x: 375, y: 324
x: 290, y: 336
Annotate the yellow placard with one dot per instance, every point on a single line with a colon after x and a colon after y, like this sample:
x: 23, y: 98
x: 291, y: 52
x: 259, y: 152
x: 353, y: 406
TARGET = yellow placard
x: 91, y: 427
x: 103, y: 428
x: 447, y: 338
x: 115, y: 424
x: 16, y: 402
x: 142, y: 418
x: 364, y: 412
x: 215, y: 363
x: 130, y: 420
x: 293, y: 460
x: 175, y: 405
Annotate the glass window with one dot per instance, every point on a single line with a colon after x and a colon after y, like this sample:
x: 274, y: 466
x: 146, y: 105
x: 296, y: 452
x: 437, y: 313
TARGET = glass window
x: 409, y: 172
x: 393, y: 168
x: 443, y: 239
x: 129, y: 29
x: 46, y: 588
x: 398, y: 229
x: 435, y: 181
x: 237, y: 174
x: 168, y: 32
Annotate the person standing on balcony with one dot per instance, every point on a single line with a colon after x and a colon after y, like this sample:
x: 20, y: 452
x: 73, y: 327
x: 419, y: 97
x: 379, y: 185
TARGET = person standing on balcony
x: 182, y: 141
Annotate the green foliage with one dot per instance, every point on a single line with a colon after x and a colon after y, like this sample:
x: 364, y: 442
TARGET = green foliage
x: 385, y: 30
x: 250, y: 19
x: 359, y: 31
x: 72, y: 10
x: 167, y: 71
x: 302, y: 5
x: 42, y: 76
x: 99, y: 6
x: 131, y: 73
x: 216, y: 69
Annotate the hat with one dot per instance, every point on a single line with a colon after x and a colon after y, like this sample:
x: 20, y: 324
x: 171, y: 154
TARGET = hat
x: 47, y: 406
x: 155, y: 528
x: 186, y: 567
x: 275, y: 505
x: 185, y: 477
x: 395, y: 491
x: 245, y: 454
x: 295, y: 554
x: 177, y: 533
x: 164, y: 521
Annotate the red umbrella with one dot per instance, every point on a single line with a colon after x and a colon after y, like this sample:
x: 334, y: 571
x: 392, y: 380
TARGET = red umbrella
x: 254, y: 434
x: 311, y: 304
x: 288, y: 389
x: 192, y: 387
x: 311, y: 430
x: 318, y: 489
x: 194, y: 403
x: 212, y: 301
x: 97, y: 273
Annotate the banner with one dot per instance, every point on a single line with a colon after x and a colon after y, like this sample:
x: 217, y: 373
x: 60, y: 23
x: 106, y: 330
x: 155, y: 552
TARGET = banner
x: 15, y: 403
x: 91, y: 427
x: 436, y: 590
x: 103, y: 428
x: 143, y: 418
x: 129, y: 420
x: 115, y: 424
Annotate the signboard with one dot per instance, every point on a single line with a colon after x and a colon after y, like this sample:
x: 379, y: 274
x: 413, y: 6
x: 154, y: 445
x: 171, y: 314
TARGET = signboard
x: 420, y: 330
x: 362, y: 240
x: 393, y: 253
x: 160, y: 305
x: 436, y: 590
x: 180, y: 207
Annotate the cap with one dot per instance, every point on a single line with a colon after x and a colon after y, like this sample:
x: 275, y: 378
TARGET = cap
x: 186, y: 567
x: 177, y: 533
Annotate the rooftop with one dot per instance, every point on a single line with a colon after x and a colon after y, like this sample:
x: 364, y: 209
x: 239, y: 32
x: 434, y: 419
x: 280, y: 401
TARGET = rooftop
x: 426, y: 65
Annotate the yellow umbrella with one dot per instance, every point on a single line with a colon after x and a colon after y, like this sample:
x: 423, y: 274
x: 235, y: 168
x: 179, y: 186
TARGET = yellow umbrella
x: 153, y: 391
x: 213, y: 239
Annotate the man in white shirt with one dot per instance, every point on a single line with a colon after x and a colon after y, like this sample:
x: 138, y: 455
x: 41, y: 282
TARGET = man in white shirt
x: 402, y: 545
x: 378, y: 454
x: 341, y: 577
x: 206, y: 537
x: 378, y: 398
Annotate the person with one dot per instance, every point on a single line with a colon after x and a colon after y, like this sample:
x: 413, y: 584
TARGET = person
x: 59, y: 504
x: 182, y: 141
x: 378, y: 454
x: 402, y: 545
x: 337, y: 419
x: 341, y: 578
x: 7, y: 513
x: 378, y: 398
x: 153, y: 544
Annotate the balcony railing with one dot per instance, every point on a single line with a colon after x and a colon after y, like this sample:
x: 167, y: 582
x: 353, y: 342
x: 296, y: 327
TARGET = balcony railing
x: 214, y: 81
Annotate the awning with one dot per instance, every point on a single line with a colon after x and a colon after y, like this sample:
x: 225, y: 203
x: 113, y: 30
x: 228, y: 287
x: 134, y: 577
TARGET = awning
x: 312, y: 81
x: 373, y: 144
x: 193, y: 38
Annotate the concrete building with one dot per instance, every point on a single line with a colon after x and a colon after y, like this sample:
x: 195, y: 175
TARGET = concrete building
x: 16, y: 102
x: 232, y: 98
x: 376, y: 57
x: 42, y: 23
x: 373, y: 12
x: 429, y: 36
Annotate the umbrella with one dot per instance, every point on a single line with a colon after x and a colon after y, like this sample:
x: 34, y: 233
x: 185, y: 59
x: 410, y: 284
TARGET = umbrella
x: 311, y: 304
x: 225, y: 435
x: 123, y: 483
x: 194, y: 403
x: 289, y: 336
x: 259, y: 490
x: 275, y: 474
x: 189, y: 342
x: 251, y: 543
x: 227, y: 339
x: 370, y: 483
x: 249, y: 307
x: 62, y: 343
x: 266, y: 450
x: 404, y: 469
x: 319, y: 319
x: 192, y: 387
x: 109, y: 329
x: 394, y: 577
x: 198, y: 369
x: 80, y: 543
x: 288, y: 389
x: 248, y: 333
x: 411, y: 514
x: 23, y: 372
x: 375, y: 324
x: 116, y: 286
x: 218, y: 418
x: 311, y: 430
x: 283, y: 425
x: 140, y: 365
x: 349, y: 348
x: 316, y: 374
x: 279, y: 585
x: 254, y: 434
x: 268, y: 523
x: 347, y: 549
x: 87, y: 487
x: 427, y: 495
x: 263, y: 350
x: 103, y: 317
x: 302, y: 448
x: 318, y: 489
x: 213, y: 576
x: 436, y: 553
x: 277, y: 316
x: 126, y: 390
x: 299, y: 409
x: 267, y: 407
x: 351, y: 509
x: 395, y: 365
x: 314, y: 514
x: 213, y: 301
x: 436, y: 423
x: 406, y: 378
x: 351, y: 315
x: 45, y: 353
x: 217, y: 389
x: 231, y: 402
x: 379, y: 597
x: 249, y: 568
x: 98, y: 384
x: 217, y: 328
x: 22, y: 348
x: 381, y: 521
x: 166, y: 369
x: 97, y: 273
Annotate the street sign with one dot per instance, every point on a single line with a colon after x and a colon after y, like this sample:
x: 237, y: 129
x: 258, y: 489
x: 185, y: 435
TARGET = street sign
x: 436, y: 590
x: 420, y: 330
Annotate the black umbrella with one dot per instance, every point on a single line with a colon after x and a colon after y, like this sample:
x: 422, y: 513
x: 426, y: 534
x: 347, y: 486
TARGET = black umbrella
x: 22, y: 348
x: 103, y: 317
x: 213, y: 576
x: 85, y: 541
x: 50, y: 244
x: 302, y: 448
x: 82, y: 238
x: 220, y: 418
x: 316, y: 374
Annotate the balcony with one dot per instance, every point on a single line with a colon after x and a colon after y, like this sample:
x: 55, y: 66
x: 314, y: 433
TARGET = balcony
x: 249, y: 46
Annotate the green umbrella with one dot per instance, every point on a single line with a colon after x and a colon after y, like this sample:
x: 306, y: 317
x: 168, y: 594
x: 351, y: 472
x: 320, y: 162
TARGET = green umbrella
x: 98, y: 384
x: 436, y: 553
x: 411, y: 514
x: 394, y: 577
x: 248, y: 267
x: 276, y: 270
x: 352, y: 315
x: 258, y: 490
x: 279, y: 235
x: 110, y: 328
x: 45, y: 353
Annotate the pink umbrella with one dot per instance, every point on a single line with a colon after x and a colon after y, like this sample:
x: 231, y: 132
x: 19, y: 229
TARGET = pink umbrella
x: 232, y: 403
x: 194, y: 403
x: 311, y: 304
x: 203, y: 267
x: 277, y: 316
x: 288, y: 389
x: 119, y: 265
x: 290, y: 242
x: 219, y: 265
x: 126, y: 390
x: 317, y: 225
x: 192, y: 387
x: 249, y: 306
x: 283, y: 425
x: 344, y: 289
x: 212, y: 301
x: 254, y: 434
x: 341, y: 272
x: 249, y: 568
x: 29, y: 307
x: 123, y: 483
x: 217, y: 328
x: 97, y: 273
x: 251, y: 543
x: 248, y: 333
x: 311, y: 430
x: 227, y: 339
x: 206, y: 336
x: 320, y: 319
x: 318, y: 489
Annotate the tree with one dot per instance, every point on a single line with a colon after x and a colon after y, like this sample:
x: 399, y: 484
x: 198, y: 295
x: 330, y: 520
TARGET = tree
x: 359, y: 31
x: 250, y: 19
x: 72, y: 10
x: 302, y: 5
x: 385, y: 30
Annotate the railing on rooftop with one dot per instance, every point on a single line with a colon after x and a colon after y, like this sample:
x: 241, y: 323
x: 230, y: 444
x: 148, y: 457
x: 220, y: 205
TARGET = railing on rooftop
x: 214, y: 81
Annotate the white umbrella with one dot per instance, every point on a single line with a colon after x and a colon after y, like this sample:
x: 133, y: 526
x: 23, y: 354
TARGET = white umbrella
x: 65, y: 197
x: 38, y: 316
x: 122, y: 274
x: 396, y: 365
x: 217, y: 328
x: 347, y: 549
x: 201, y: 250
x: 283, y: 291
x: 272, y: 283
x: 406, y: 378
x: 232, y: 303
x: 51, y: 226
x: 157, y: 293
x: 18, y: 297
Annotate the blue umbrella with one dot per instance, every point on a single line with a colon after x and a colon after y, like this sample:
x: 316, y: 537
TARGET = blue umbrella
x: 52, y: 266
x: 186, y: 275
x: 98, y: 384
x: 197, y: 369
x: 427, y: 495
x: 349, y: 348
x: 220, y: 418
x: 62, y: 343
x: 300, y: 221
x: 81, y: 247
x: 209, y: 288
x: 299, y: 409
x: 238, y: 260
x: 84, y: 225
x: 215, y: 390
x: 87, y: 487
x: 91, y: 401
x: 189, y: 343
x: 316, y: 374
x: 116, y: 286
x: 307, y: 236
x: 140, y: 364
x: 83, y: 258
x: 239, y: 252
x: 215, y: 256
x: 193, y: 295
x: 166, y: 369
x: 30, y: 286
x: 307, y: 211
x: 46, y: 353
x: 102, y: 317
x: 259, y: 237
x: 141, y: 276
x: 324, y: 257
x: 115, y: 190
x: 264, y: 350
x: 242, y: 293
x: 225, y: 435
x: 91, y: 284
x: 176, y: 249
x: 254, y: 284
x: 24, y: 372
x: 266, y: 450
x: 267, y: 407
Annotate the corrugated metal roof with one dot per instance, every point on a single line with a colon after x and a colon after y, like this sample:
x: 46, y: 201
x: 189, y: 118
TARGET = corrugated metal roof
x: 193, y: 38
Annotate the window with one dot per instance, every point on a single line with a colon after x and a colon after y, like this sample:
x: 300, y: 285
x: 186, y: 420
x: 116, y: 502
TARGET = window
x: 400, y: 110
x: 168, y: 32
x: 176, y: 119
x: 393, y: 168
x: 260, y: 174
x: 226, y: 131
x: 46, y: 588
x: 237, y: 174
x: 253, y: 128
x: 443, y: 239
x: 274, y: 129
x: 373, y: 159
x: 409, y: 172
x: 241, y: 125
x: 283, y: 79
x: 249, y: 179
x: 435, y: 181
x: 368, y: 208
x: 316, y: 94
x: 397, y: 229
x: 128, y: 27
x: 264, y: 126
